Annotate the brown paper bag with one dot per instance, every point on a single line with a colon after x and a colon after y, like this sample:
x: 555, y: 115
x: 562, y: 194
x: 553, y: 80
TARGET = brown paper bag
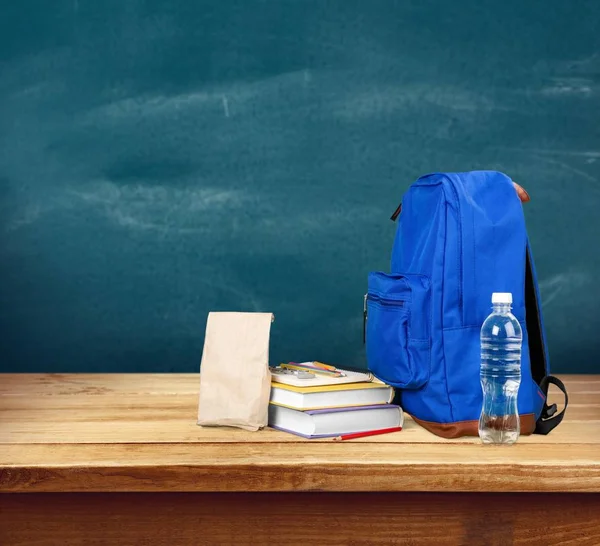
x: 235, y: 380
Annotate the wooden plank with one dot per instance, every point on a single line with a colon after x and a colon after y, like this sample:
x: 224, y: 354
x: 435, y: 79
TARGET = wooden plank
x: 90, y: 408
x: 576, y: 397
x: 281, y: 467
x: 98, y: 433
x: 156, y: 427
x: 98, y: 384
x: 184, y: 402
x: 187, y: 404
x: 174, y: 384
x: 325, y: 519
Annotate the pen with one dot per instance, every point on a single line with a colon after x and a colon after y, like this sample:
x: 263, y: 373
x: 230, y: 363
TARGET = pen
x: 313, y: 369
x: 367, y: 433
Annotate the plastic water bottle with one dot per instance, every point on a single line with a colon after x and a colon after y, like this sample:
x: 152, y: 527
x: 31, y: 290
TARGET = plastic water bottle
x: 501, y: 339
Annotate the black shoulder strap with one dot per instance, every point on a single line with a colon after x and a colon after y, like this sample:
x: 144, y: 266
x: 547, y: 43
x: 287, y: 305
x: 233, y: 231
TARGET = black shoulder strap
x: 549, y: 419
x: 537, y: 348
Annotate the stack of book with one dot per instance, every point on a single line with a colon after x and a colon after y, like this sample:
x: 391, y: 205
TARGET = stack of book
x: 314, y: 400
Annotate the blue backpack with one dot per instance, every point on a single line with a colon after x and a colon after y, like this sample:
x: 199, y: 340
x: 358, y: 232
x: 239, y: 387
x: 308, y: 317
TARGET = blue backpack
x: 460, y: 237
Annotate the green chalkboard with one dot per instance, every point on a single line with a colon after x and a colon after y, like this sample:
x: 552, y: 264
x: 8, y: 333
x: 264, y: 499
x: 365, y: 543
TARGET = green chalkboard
x: 159, y: 160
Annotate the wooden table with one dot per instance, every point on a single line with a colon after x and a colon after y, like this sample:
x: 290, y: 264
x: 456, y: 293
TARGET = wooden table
x: 119, y: 459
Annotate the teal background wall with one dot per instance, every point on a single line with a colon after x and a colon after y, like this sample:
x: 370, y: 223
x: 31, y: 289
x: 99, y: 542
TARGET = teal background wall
x: 159, y: 160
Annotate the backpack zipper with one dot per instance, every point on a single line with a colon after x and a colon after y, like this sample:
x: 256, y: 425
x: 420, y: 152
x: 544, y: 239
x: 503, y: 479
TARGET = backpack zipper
x: 365, y: 319
x: 386, y: 302
x: 460, y: 249
x: 397, y: 212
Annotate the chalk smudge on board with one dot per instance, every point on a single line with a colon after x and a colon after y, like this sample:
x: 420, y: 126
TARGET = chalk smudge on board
x: 559, y: 87
x: 29, y: 215
x: 574, y: 153
x: 225, y: 106
x: 163, y: 104
x: 158, y: 207
x: 137, y: 207
x: 567, y: 167
x: 307, y: 77
x: 561, y: 284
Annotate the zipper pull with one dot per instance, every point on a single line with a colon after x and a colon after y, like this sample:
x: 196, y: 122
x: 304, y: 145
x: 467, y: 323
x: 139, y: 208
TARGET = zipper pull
x: 365, y: 319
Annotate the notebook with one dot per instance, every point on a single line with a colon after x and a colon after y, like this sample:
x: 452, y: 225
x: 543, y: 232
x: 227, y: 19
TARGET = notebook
x: 351, y: 376
x: 330, y: 396
x: 325, y: 423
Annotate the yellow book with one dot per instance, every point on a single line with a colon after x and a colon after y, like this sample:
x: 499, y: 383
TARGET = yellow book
x: 330, y: 396
x: 329, y: 388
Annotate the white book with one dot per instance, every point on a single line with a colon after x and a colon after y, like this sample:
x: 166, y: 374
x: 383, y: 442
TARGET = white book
x: 329, y: 422
x: 350, y: 376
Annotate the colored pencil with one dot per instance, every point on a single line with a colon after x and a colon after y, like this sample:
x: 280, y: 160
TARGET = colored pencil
x: 313, y: 369
x: 324, y: 366
x: 367, y: 433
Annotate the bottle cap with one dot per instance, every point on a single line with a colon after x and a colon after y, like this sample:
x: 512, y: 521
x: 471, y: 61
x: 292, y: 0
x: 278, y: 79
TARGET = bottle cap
x: 502, y: 297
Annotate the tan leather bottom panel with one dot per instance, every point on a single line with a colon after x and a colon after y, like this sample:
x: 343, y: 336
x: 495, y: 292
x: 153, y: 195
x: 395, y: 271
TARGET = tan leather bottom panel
x: 470, y: 428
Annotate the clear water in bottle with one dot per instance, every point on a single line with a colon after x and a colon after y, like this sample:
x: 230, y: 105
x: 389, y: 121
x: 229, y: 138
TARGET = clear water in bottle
x: 501, y: 340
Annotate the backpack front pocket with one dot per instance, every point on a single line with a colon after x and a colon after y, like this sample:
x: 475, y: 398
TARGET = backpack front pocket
x: 398, y: 316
